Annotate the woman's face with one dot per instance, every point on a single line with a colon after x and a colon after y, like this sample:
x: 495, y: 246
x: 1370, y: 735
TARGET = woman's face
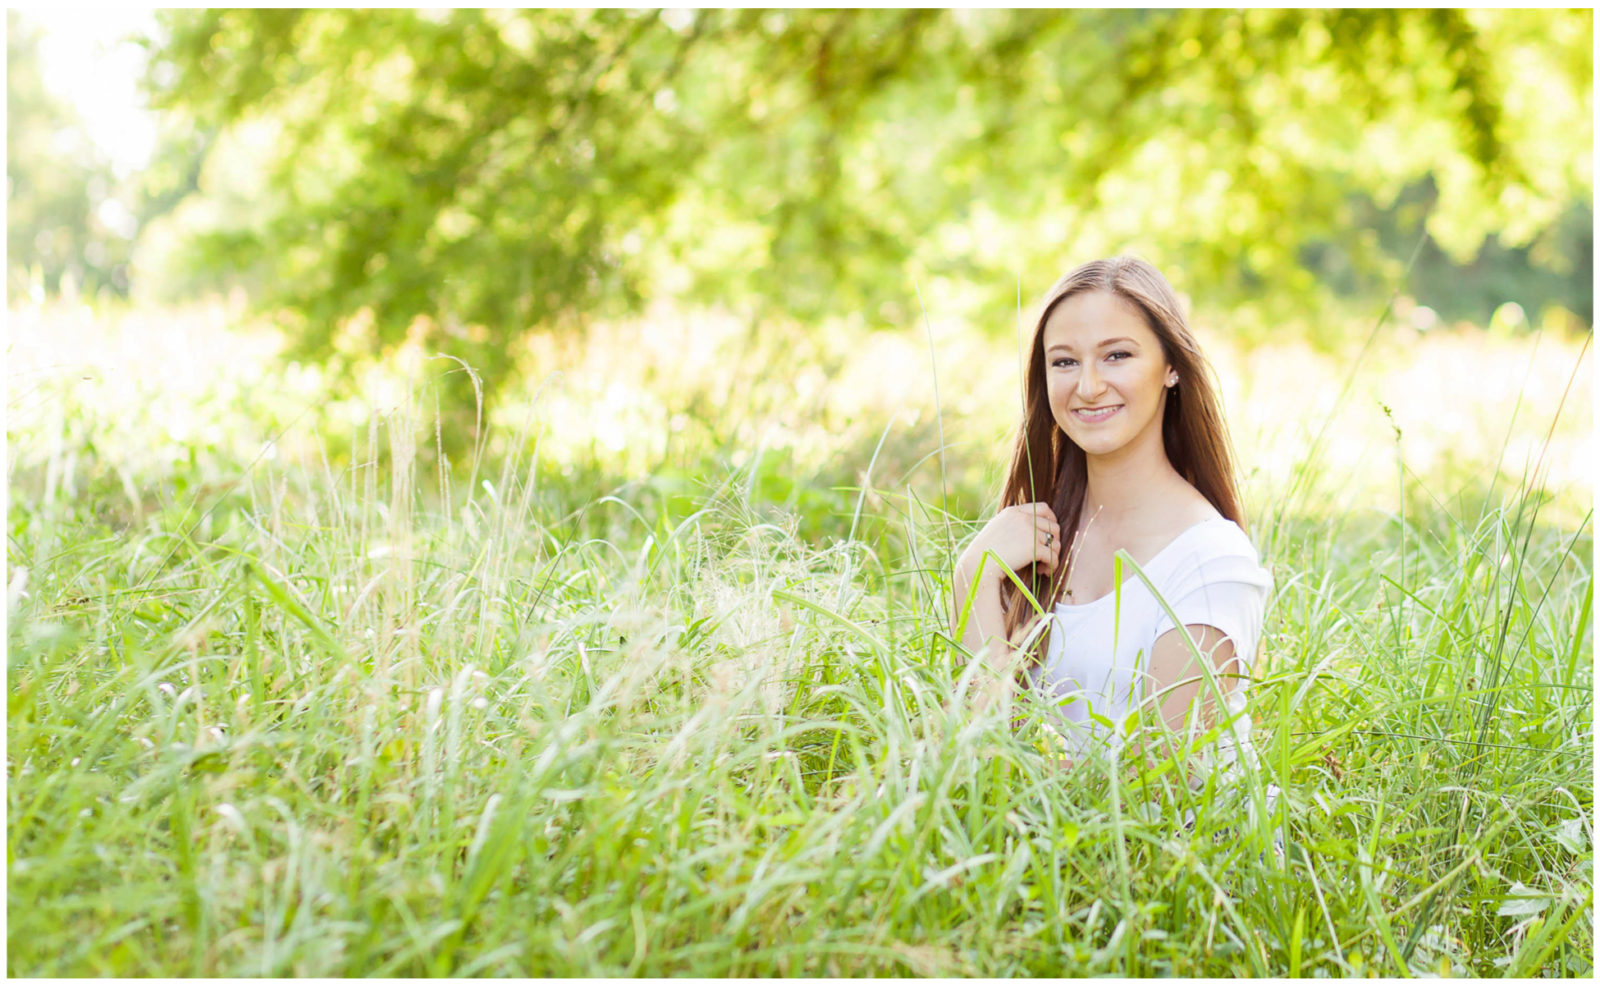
x: 1105, y: 373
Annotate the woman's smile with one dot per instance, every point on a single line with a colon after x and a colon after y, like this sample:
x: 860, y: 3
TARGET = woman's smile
x: 1094, y: 415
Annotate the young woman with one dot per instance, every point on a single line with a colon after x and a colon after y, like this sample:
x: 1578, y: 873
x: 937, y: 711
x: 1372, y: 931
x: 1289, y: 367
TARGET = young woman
x: 1122, y: 448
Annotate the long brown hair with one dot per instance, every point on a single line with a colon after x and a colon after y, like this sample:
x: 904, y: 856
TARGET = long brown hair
x: 1049, y: 467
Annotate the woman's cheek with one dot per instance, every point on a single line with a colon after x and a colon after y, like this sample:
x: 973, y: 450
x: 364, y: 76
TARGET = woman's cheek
x: 1058, y: 408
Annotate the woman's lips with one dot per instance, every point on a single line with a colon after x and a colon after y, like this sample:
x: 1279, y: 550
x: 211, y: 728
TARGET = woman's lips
x: 1097, y: 415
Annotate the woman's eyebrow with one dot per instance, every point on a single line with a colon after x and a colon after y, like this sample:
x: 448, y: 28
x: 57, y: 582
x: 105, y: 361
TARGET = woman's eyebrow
x: 1103, y: 343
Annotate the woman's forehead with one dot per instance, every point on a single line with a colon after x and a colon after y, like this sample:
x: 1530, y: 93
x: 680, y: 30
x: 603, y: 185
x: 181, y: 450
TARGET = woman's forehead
x: 1087, y: 319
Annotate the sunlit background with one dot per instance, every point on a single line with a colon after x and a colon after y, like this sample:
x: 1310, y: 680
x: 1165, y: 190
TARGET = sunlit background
x: 93, y: 63
x: 143, y: 312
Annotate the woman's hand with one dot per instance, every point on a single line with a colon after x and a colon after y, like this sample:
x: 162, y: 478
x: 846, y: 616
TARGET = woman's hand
x: 1019, y: 536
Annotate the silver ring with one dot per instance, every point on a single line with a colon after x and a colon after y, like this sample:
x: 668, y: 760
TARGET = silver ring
x: 1049, y: 539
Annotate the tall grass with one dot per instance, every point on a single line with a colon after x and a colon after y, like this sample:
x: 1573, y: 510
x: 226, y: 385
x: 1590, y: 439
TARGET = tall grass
x: 351, y: 712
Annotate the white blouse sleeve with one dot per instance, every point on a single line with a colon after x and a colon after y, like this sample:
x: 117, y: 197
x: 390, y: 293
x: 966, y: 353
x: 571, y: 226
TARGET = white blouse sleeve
x: 1228, y: 592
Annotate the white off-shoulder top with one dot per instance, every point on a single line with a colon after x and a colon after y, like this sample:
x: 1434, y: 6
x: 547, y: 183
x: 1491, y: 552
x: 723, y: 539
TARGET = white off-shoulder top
x: 1094, y: 668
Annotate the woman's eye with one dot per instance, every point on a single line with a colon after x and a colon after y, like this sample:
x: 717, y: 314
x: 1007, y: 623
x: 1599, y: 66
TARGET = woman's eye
x: 1063, y: 363
x: 1119, y: 355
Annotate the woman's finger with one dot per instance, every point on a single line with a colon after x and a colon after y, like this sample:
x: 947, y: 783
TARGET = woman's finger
x: 1046, y: 548
x: 1048, y: 532
x: 1040, y: 511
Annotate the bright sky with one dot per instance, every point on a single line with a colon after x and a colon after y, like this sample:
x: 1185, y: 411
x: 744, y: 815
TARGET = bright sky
x: 86, y: 59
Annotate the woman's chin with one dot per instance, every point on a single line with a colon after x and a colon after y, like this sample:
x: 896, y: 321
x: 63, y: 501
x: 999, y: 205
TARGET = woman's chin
x: 1097, y: 444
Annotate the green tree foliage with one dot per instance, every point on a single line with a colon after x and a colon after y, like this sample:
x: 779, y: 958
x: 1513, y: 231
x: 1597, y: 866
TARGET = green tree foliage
x: 62, y: 224
x: 466, y: 176
x: 1551, y: 270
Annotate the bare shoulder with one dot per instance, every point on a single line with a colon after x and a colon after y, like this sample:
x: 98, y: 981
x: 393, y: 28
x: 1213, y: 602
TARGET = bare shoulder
x: 1188, y: 508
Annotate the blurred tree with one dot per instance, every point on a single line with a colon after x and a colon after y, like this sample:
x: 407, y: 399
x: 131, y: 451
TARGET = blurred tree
x: 1551, y: 270
x: 62, y: 223
x: 460, y: 177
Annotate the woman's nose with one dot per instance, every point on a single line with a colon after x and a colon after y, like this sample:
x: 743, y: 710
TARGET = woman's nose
x: 1089, y: 382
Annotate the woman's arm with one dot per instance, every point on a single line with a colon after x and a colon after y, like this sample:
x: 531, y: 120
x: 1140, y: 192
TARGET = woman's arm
x: 1187, y: 700
x: 984, y: 633
x: 1017, y: 536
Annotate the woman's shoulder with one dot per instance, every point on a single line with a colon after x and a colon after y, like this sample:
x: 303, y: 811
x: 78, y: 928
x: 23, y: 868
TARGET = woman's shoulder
x: 1220, y: 535
x: 1216, y: 549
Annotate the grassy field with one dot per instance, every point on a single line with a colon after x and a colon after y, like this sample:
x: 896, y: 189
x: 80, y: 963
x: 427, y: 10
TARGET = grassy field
x: 657, y: 683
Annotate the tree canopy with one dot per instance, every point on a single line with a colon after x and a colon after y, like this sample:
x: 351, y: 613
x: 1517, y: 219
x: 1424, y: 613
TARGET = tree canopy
x: 466, y: 176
